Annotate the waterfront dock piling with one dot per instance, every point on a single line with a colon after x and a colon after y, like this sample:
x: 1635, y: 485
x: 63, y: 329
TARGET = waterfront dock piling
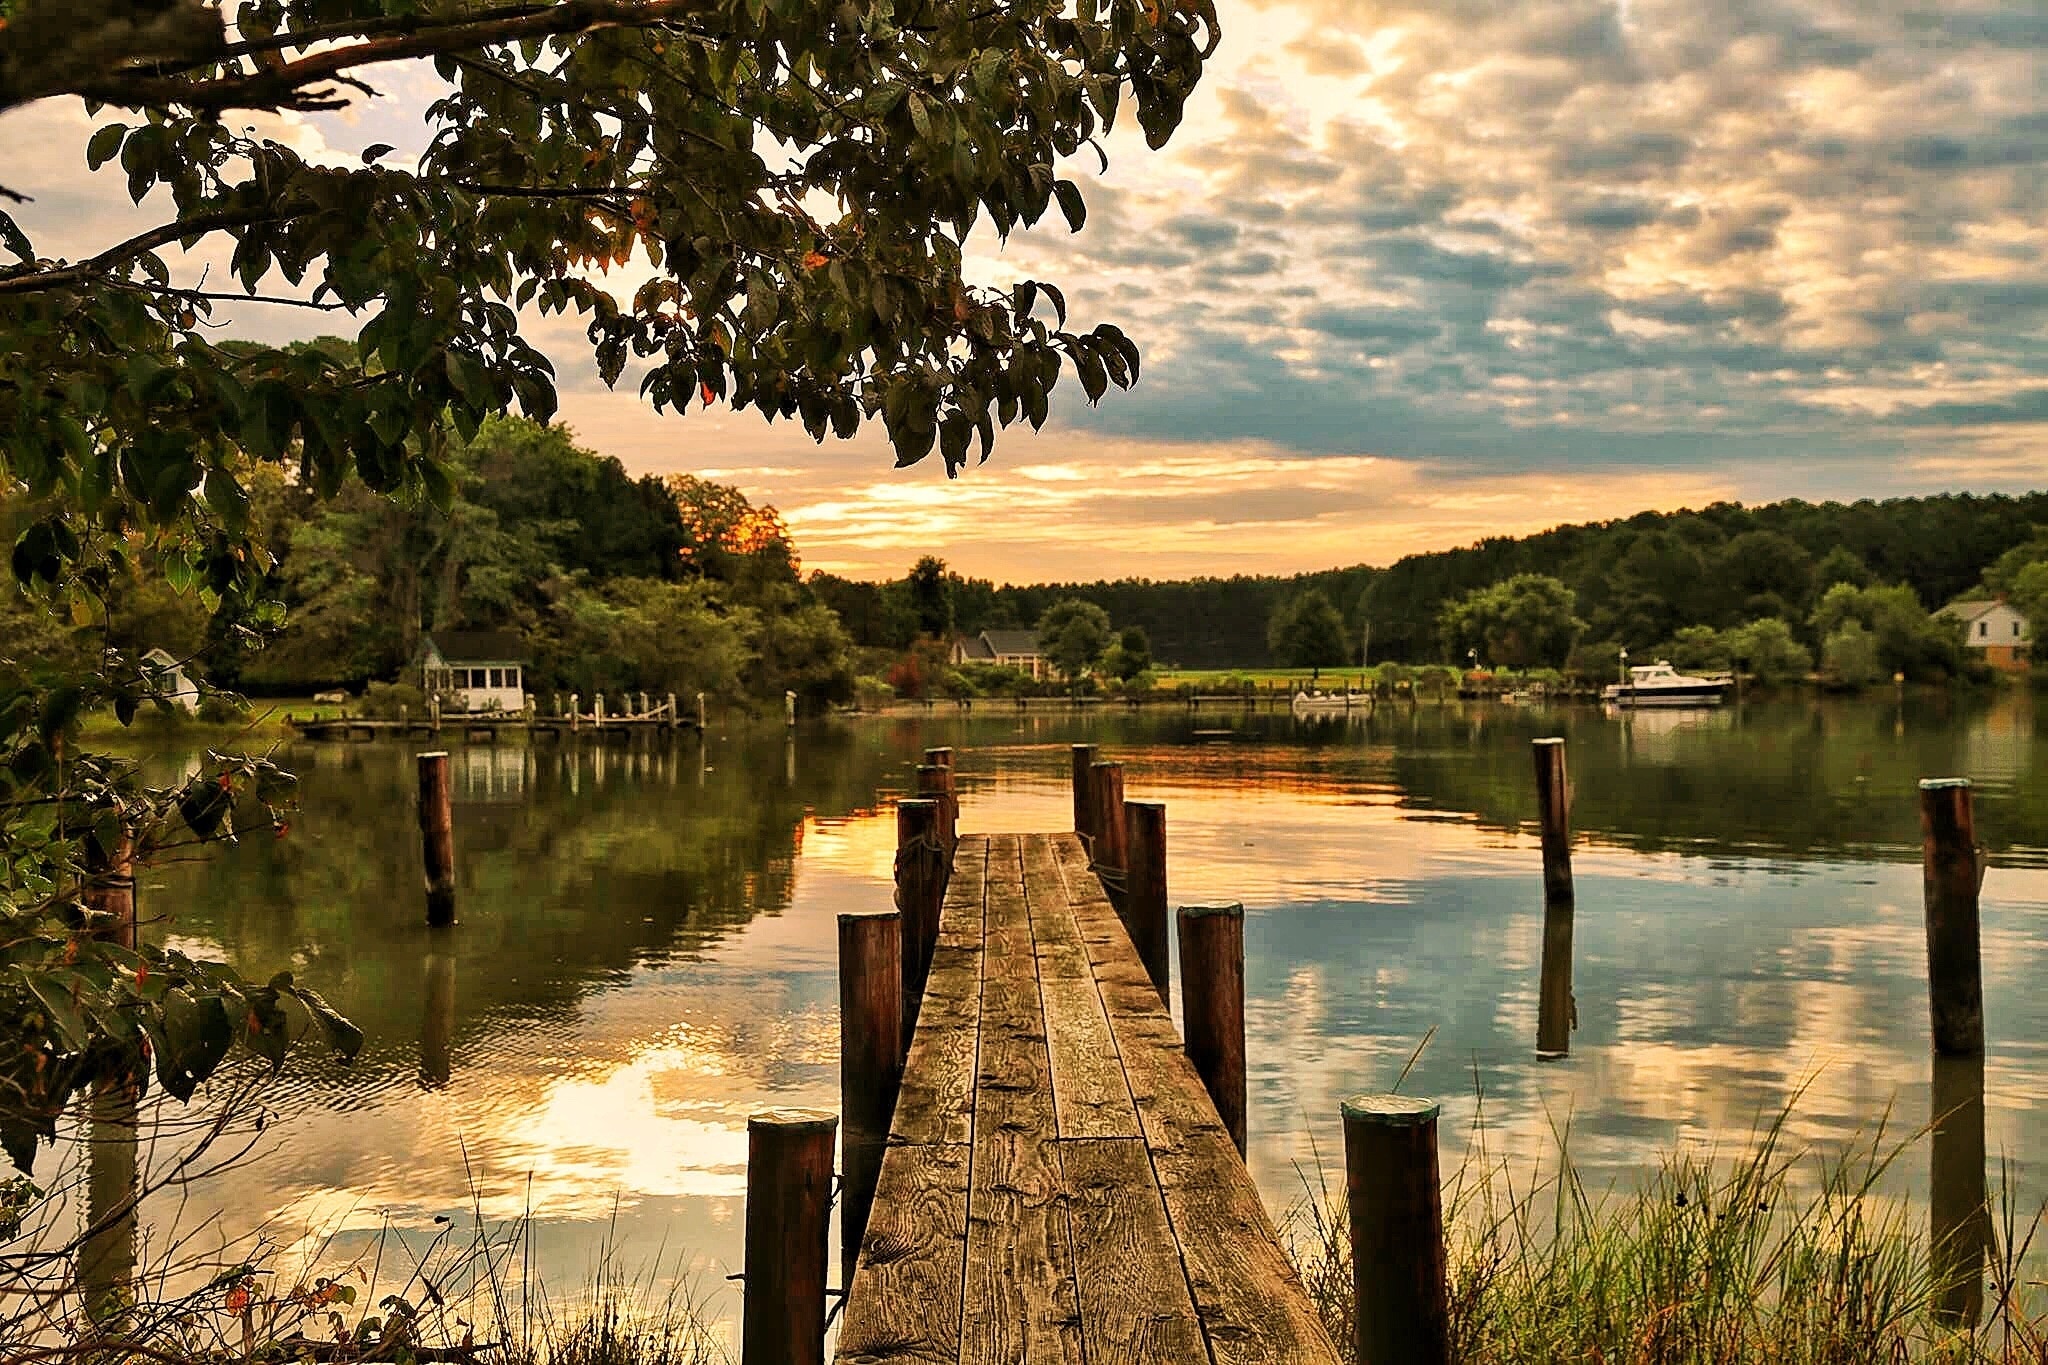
x: 1555, y: 1014
x: 1952, y: 875
x: 437, y: 837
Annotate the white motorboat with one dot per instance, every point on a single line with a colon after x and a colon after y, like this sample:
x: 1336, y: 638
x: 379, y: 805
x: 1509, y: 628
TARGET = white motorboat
x: 1659, y: 684
x: 1329, y: 703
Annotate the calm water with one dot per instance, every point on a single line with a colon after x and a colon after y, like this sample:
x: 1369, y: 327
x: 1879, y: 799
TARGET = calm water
x: 646, y: 953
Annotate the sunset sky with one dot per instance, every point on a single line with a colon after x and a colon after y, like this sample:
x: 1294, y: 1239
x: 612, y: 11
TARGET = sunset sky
x: 1412, y: 273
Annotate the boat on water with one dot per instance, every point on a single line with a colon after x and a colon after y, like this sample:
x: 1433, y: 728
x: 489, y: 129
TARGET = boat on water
x: 1659, y: 684
x: 1329, y: 703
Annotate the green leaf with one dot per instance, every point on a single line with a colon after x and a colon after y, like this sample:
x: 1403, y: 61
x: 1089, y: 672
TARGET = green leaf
x: 106, y: 142
x: 1069, y: 195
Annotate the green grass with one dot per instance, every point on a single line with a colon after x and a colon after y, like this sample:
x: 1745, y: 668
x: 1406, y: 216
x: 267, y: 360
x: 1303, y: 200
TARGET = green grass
x: 262, y: 722
x: 1766, y: 1257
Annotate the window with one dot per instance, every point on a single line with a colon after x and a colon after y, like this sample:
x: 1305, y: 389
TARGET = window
x: 511, y: 677
x: 497, y: 677
x: 1983, y: 629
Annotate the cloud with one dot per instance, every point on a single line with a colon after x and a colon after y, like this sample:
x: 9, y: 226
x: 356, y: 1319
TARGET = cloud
x: 1671, y: 249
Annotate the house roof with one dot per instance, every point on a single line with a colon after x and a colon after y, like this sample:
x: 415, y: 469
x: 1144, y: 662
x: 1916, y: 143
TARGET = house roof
x: 1012, y: 641
x: 1969, y: 609
x: 476, y: 646
x: 973, y: 647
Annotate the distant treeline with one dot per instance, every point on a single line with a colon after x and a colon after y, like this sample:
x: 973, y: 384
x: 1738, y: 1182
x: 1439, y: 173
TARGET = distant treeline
x: 1640, y: 579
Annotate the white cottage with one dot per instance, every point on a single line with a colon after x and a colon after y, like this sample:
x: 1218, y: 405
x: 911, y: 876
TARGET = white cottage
x: 474, y: 670
x: 1995, y: 629
x: 169, y: 680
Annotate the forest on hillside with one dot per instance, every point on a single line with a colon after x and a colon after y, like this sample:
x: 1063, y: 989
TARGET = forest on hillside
x: 1637, y: 581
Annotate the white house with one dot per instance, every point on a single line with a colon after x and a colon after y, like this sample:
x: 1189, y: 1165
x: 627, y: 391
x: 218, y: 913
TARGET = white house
x: 1016, y: 649
x: 1994, y: 629
x: 474, y: 670
x: 169, y: 680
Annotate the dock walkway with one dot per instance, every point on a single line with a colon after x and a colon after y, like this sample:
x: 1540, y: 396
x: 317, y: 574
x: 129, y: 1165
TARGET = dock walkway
x: 1058, y: 1186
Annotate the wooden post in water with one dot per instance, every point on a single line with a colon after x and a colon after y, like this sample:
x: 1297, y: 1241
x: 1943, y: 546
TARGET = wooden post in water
x: 1145, y: 889
x: 870, y: 1060
x: 1401, y: 1308
x: 434, y: 713
x: 935, y: 782
x: 788, y: 1234
x: 1959, y: 1206
x: 1951, y: 874
x: 920, y: 893
x: 1106, y: 787
x: 1553, y: 800
x: 575, y: 712
x: 437, y: 838
x: 1555, y: 1014
x: 675, y: 717
x: 1084, y: 801
x: 597, y: 711
x: 110, y: 888
x: 700, y: 713
x: 1212, y: 1006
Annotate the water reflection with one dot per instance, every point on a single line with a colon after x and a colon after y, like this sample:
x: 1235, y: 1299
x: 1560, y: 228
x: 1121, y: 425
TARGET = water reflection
x: 1959, y: 1208
x: 647, y: 953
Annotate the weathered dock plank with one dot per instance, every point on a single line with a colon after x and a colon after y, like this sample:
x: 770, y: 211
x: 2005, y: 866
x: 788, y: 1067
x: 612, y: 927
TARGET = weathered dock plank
x: 1135, y: 1303
x: 1091, y: 1098
x: 1020, y: 1301
x: 904, y: 1306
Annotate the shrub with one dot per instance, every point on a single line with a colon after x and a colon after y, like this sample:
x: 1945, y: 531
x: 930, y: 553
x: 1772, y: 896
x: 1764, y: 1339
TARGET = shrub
x: 381, y: 700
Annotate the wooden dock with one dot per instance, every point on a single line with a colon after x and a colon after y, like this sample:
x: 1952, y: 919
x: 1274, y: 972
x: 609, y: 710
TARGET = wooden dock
x: 1058, y: 1185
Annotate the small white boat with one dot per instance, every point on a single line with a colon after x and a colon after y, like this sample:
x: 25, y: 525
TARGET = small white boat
x: 1659, y: 684
x: 1329, y: 703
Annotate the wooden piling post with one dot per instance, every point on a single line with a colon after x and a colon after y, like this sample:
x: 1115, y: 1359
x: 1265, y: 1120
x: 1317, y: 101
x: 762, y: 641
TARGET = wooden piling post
x: 920, y: 893
x: 597, y: 711
x: 675, y: 717
x: 1109, y: 852
x: 575, y: 712
x: 871, y: 1051
x: 788, y: 1232
x: 1401, y: 1309
x: 110, y: 888
x: 700, y: 713
x: 936, y: 782
x: 434, y: 713
x: 1145, y: 889
x: 1951, y: 875
x: 1553, y: 801
x: 1212, y: 1006
x: 437, y: 838
x: 1084, y: 802
x: 1555, y: 1013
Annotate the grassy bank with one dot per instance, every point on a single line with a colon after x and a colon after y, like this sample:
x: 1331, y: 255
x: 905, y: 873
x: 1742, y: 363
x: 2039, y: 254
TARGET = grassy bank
x: 1764, y: 1258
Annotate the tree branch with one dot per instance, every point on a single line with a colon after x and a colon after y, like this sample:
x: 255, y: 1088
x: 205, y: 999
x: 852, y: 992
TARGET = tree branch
x: 285, y: 86
x: 34, y: 281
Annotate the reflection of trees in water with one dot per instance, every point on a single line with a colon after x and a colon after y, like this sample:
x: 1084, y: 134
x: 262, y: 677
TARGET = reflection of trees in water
x: 574, y: 865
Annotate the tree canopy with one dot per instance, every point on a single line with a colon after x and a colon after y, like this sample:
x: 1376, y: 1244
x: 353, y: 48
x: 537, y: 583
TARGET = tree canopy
x: 753, y: 203
x: 1307, y: 631
x: 1522, y: 622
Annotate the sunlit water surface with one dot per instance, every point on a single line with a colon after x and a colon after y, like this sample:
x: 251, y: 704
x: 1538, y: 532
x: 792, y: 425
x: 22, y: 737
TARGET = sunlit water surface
x: 646, y: 952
